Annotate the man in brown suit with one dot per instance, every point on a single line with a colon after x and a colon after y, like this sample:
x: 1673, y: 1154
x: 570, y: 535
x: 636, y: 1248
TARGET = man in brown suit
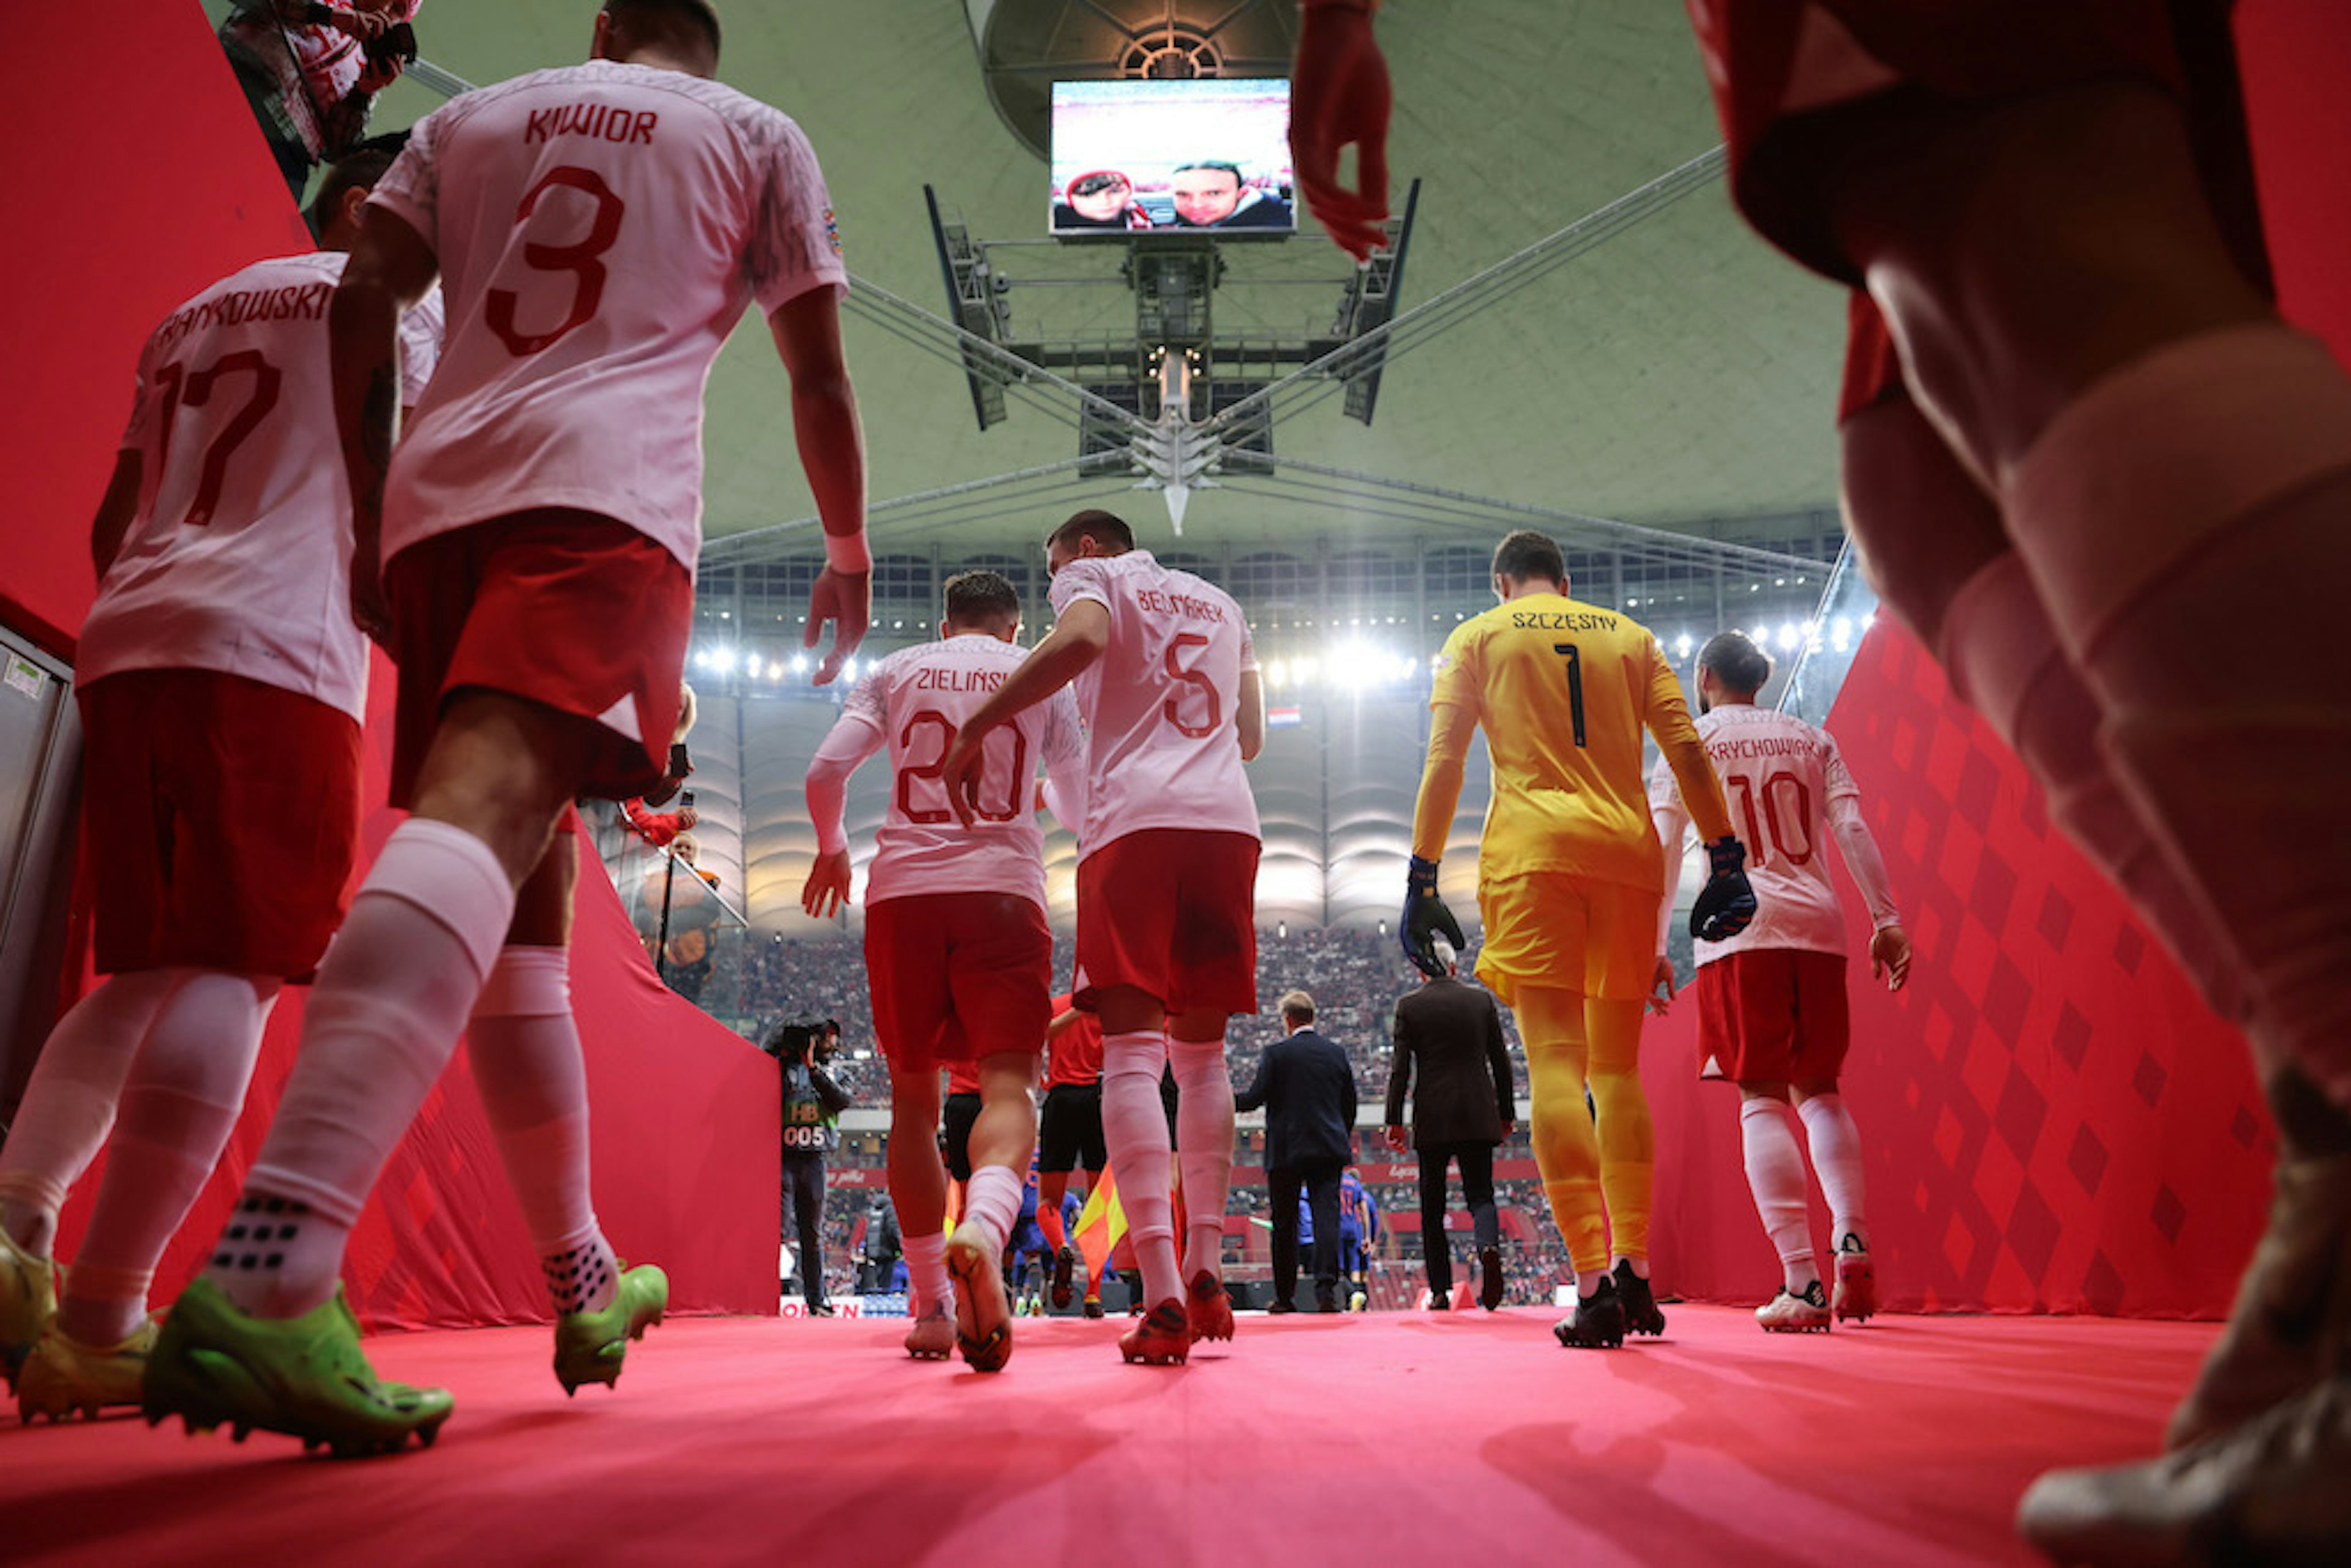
x: 1461, y: 1108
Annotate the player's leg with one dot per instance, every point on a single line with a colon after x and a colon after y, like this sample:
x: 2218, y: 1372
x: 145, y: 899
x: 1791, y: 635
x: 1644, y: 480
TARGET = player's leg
x: 1204, y: 1145
x: 69, y: 1101
x: 523, y: 1045
x: 1001, y: 1140
x: 918, y: 1190
x: 1135, y: 1129
x: 1213, y: 977
x: 1436, y: 1254
x: 905, y: 968
x: 1822, y: 1031
x: 1941, y: 556
x: 2073, y: 318
x: 397, y: 986
x: 67, y: 1109
x: 1567, y: 1154
x: 2175, y: 434
x: 1627, y: 1141
x: 1620, y: 932
x: 180, y: 1103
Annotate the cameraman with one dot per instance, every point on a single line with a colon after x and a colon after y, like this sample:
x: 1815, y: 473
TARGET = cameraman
x: 311, y: 71
x: 811, y: 1102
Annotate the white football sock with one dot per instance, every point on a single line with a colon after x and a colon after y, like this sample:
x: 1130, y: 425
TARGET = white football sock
x: 991, y: 1206
x: 1775, y: 1174
x: 1836, y: 1160
x: 2213, y: 474
x: 179, y: 1106
x: 69, y: 1101
x: 927, y: 1270
x: 1134, y: 1127
x: 1204, y: 1144
x: 524, y: 1047
x: 396, y: 987
x: 2005, y: 661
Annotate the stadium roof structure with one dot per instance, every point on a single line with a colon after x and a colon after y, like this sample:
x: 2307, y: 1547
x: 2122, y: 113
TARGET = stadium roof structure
x: 1667, y: 371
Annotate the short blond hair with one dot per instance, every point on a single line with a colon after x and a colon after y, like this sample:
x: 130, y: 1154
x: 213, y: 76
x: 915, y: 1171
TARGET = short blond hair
x: 1295, y: 1007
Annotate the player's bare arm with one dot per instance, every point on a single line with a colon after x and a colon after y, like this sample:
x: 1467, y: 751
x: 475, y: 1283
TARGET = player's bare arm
x: 389, y: 268
x: 845, y: 747
x: 1339, y: 96
x: 115, y: 510
x: 1889, y: 945
x: 1076, y: 641
x: 831, y: 443
x: 1252, y: 716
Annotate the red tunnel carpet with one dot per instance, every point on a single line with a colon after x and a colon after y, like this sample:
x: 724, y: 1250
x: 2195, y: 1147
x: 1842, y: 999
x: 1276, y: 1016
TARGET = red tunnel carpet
x: 1375, y: 1440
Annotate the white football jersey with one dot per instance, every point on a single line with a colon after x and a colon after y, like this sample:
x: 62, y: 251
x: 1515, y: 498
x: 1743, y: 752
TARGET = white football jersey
x: 1161, y: 705
x: 238, y: 558
x: 1778, y: 775
x: 913, y: 702
x: 601, y: 228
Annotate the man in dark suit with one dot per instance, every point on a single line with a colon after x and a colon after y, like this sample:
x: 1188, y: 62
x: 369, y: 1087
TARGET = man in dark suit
x: 1451, y: 1034
x: 1308, y: 1091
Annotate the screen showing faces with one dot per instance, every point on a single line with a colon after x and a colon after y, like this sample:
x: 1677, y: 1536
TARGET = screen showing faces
x: 1151, y: 157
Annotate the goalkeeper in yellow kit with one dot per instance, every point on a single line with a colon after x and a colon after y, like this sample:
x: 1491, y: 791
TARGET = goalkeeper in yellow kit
x: 1569, y: 876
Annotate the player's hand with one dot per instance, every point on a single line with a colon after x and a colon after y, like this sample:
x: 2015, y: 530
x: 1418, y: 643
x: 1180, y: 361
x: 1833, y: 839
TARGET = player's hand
x: 826, y: 892
x: 1425, y: 917
x: 1726, y: 903
x: 960, y: 770
x: 360, y: 25
x: 1339, y: 95
x: 1661, y: 986
x: 686, y: 817
x: 1889, y: 957
x: 380, y: 72
x: 1398, y: 1140
x: 845, y: 599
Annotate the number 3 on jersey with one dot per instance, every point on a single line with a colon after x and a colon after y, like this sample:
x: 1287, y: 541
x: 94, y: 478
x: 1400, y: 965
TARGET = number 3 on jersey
x: 579, y: 259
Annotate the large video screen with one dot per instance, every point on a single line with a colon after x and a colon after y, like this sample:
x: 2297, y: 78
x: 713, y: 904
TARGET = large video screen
x: 1172, y: 157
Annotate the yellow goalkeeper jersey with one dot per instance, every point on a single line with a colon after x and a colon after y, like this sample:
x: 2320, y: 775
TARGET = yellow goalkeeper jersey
x: 1563, y: 690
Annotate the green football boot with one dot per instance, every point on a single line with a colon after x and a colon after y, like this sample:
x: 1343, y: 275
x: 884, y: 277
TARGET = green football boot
x: 304, y: 1376
x: 63, y: 1375
x: 28, y: 1303
x: 590, y: 1347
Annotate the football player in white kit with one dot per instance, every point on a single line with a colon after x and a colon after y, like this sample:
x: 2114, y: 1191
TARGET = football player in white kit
x: 1167, y: 678
x: 957, y: 953
x: 1771, y: 1000
x: 220, y: 631
x: 599, y: 229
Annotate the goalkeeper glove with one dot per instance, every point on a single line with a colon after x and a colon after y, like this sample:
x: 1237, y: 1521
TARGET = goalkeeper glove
x: 1425, y: 919
x: 1726, y: 903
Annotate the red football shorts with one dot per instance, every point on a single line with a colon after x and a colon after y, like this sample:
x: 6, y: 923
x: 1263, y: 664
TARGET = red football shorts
x: 956, y: 977
x: 1801, y: 85
x: 1171, y: 912
x: 572, y: 611
x: 220, y: 817
x: 1773, y: 1015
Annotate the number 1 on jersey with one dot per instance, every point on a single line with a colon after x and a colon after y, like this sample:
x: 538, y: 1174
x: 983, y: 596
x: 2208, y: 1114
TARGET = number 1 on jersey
x: 1574, y: 685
